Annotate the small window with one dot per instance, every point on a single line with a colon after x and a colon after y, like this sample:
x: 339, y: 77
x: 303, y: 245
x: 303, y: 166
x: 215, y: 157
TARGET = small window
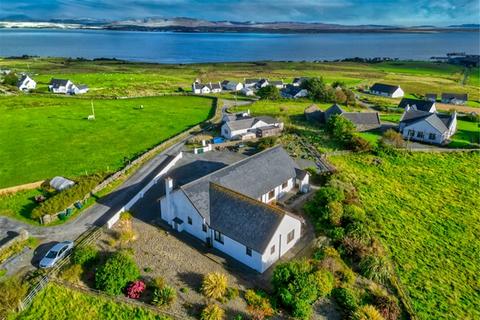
x: 272, y: 249
x: 411, y: 133
x: 420, y: 134
x: 285, y: 185
x: 432, y: 136
x: 271, y: 195
x: 248, y: 251
x: 204, y: 227
x: 291, y: 236
x: 218, y: 237
x: 189, y: 220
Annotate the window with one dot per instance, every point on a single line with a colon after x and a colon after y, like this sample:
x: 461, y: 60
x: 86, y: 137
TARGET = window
x: 290, y: 236
x: 248, y: 251
x: 285, y: 185
x: 272, y: 249
x: 432, y: 136
x: 271, y: 195
x: 420, y: 134
x: 411, y: 133
x: 218, y: 237
x: 204, y: 227
x: 189, y: 220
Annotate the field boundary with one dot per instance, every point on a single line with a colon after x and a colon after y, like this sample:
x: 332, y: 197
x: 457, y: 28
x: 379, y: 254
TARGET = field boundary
x: 21, y: 187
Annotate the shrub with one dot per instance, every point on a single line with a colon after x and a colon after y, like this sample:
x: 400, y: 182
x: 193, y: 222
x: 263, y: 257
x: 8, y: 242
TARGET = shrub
x: 135, y: 289
x: 367, y: 312
x: 13, y: 290
x: 231, y: 293
x: 376, y: 268
x: 357, y: 240
x: 359, y: 144
x: 335, y: 213
x: 353, y: 213
x: 341, y: 128
x: 84, y: 255
x: 258, y: 305
x: 164, y: 296
x: 336, y: 234
x: 269, y: 92
x: 345, y: 299
x: 266, y: 143
x: 214, y: 285
x: 159, y: 282
x: 324, y: 281
x: 116, y: 273
x: 10, y: 79
x: 212, y: 312
x: 385, y: 303
x: 72, y: 273
x: 392, y: 138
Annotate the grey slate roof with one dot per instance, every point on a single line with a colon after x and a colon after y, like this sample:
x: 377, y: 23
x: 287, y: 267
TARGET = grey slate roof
x: 266, y: 119
x: 381, y: 87
x: 56, y: 83
x: 333, y: 110
x: 276, y: 83
x: 457, y: 96
x: 299, y: 80
x: 290, y: 90
x: 241, y: 124
x: 313, y: 113
x: 363, y: 118
x: 243, y: 219
x: 252, y: 177
x: 251, y: 81
x: 422, y: 105
x: 431, y: 96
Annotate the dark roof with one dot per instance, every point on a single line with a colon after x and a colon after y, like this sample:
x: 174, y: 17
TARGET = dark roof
x: 362, y: 118
x: 82, y: 86
x: 291, y: 90
x: 215, y: 85
x: 251, y: 81
x: 266, y: 119
x: 276, y: 83
x: 22, y: 79
x: 441, y: 122
x: 300, y: 173
x: 431, y: 96
x: 313, y: 113
x: 225, y: 82
x: 299, y: 80
x: 333, y: 110
x: 422, y: 105
x: 243, y: 219
x: 58, y: 82
x: 381, y: 87
x: 253, y: 177
x: 241, y: 124
x: 457, y: 96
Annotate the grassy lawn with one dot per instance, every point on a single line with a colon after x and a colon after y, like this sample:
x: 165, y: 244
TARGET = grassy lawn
x: 424, y: 207
x: 43, y: 136
x: 20, y: 204
x: 467, y: 133
x: 57, y: 302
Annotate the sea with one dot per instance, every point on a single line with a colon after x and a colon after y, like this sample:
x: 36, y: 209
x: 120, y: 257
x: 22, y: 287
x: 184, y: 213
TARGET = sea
x: 173, y: 47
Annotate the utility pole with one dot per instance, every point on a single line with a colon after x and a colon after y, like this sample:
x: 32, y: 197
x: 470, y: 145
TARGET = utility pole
x: 93, y: 109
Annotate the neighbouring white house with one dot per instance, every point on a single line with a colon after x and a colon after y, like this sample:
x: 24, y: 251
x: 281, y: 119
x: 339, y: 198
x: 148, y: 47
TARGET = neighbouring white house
x: 229, y: 209
x: 250, y: 83
x: 251, y: 128
x: 277, y: 84
x: 386, y: 90
x: 297, y: 82
x: 25, y: 83
x: 80, y: 89
x: 206, y: 88
x: 293, y: 92
x: 235, y: 116
x: 454, y: 98
x: 232, y: 85
x: 262, y: 83
x: 429, y: 127
x: 421, y: 105
x: 248, y: 92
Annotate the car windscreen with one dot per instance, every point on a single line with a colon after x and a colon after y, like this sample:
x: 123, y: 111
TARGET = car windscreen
x: 52, y: 254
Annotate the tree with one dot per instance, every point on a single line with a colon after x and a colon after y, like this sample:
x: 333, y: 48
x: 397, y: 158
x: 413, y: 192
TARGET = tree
x: 116, y: 273
x: 10, y: 79
x: 269, y: 93
x: 318, y: 90
x: 212, y: 312
x: 340, y: 96
x: 214, y: 285
x: 341, y: 128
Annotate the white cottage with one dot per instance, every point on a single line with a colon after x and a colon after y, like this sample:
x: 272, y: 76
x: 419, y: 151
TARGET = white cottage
x: 206, y: 88
x: 247, y: 128
x: 421, y: 105
x: 386, y: 90
x: 64, y: 86
x: 232, y: 85
x: 25, y: 83
x: 228, y: 209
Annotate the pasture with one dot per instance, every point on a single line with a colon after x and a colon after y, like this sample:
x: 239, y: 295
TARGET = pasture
x: 43, y: 136
x: 424, y: 208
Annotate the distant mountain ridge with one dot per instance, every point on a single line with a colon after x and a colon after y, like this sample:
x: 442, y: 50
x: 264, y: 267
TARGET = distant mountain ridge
x: 184, y: 24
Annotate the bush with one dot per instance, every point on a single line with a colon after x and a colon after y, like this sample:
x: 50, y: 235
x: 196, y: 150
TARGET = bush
x: 135, y: 289
x: 345, y: 299
x: 231, y: 293
x: 324, y: 281
x: 258, y: 305
x: 116, y: 273
x: 269, y: 92
x: 318, y: 90
x: 10, y: 79
x: 376, y: 268
x: 335, y: 213
x: 385, y: 303
x: 72, y: 273
x: 337, y: 234
x: 266, y: 143
x: 84, y: 255
x: 341, y: 128
x: 367, y: 312
x: 65, y: 198
x: 353, y: 213
x: 392, y: 138
x: 359, y: 144
x: 13, y: 290
x: 159, y: 282
x: 318, y: 205
x: 164, y: 296
x: 212, y: 312
x: 214, y: 285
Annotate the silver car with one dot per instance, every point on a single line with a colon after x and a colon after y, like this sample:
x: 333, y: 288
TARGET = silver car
x: 56, y: 253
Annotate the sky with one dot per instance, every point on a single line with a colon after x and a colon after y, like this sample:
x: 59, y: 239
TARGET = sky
x: 349, y: 12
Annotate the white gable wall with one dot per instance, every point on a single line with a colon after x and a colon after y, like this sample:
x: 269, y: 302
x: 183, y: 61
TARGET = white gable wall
x: 398, y: 93
x: 279, y: 192
x: 426, y: 128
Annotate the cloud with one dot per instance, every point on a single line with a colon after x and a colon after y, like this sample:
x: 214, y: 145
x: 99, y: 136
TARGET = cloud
x: 341, y: 11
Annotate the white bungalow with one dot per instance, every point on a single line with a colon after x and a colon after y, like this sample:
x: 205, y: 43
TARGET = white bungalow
x: 25, y: 83
x: 64, y: 86
x: 247, y: 92
x: 232, y: 85
x: 228, y: 209
x: 206, y: 88
x: 248, y: 128
x: 386, y: 90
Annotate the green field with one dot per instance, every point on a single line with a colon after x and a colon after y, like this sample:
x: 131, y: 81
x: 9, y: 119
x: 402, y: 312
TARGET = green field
x: 43, y: 136
x: 425, y: 209
x: 57, y: 302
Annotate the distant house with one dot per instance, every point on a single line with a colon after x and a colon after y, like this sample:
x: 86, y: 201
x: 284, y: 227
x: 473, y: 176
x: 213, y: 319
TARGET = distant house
x: 251, y: 83
x: 293, y: 92
x: 363, y: 121
x: 297, y: 82
x: 236, y: 116
x: 250, y: 128
x: 454, y: 98
x: 427, y: 127
x: 277, y: 84
x: 421, y: 105
x: 229, y: 208
x: 64, y: 86
x: 386, y: 90
x: 247, y: 92
x: 232, y: 85
x: 313, y: 114
x: 262, y: 83
x: 431, y: 97
x: 25, y: 83
x: 81, y: 89
x: 206, y: 88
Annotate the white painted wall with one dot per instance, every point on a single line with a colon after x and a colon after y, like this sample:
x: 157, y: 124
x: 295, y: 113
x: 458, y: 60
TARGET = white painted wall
x: 27, y: 84
x: 426, y: 128
x: 279, y: 192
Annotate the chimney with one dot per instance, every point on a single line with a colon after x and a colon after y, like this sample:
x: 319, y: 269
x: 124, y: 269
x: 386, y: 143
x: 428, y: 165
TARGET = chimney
x: 168, y: 214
